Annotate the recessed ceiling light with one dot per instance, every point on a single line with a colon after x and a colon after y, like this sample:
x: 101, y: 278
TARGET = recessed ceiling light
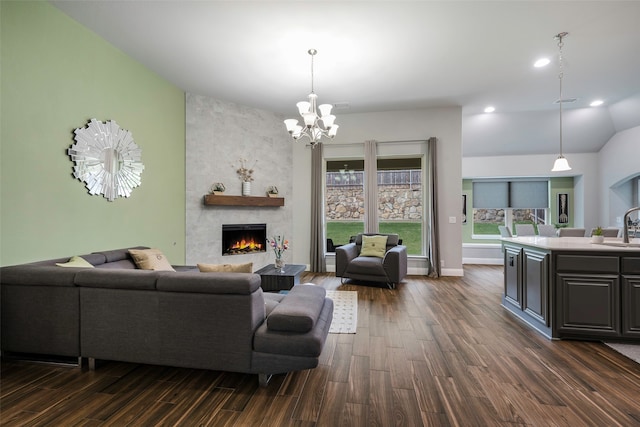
x: 597, y: 103
x: 542, y: 62
x: 489, y: 109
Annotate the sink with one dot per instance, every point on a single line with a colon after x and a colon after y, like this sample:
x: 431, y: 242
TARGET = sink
x: 621, y: 244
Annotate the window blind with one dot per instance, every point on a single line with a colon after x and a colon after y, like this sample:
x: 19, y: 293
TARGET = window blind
x: 511, y: 194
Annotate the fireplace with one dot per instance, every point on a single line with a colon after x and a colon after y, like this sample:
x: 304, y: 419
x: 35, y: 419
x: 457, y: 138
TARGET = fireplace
x: 239, y: 239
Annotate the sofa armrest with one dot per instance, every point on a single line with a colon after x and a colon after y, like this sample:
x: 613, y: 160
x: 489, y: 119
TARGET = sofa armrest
x: 299, y: 310
x: 395, y: 263
x: 344, y: 255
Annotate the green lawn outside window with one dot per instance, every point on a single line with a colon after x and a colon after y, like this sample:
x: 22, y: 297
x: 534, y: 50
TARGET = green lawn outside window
x: 409, y: 232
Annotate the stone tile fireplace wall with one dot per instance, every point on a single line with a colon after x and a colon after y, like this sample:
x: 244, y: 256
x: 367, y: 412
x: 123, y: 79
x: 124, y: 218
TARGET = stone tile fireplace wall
x: 218, y: 134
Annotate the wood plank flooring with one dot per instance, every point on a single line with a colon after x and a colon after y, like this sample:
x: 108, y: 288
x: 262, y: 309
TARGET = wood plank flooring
x: 430, y: 353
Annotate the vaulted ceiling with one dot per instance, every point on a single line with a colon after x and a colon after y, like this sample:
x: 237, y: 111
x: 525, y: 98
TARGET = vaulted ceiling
x: 395, y: 55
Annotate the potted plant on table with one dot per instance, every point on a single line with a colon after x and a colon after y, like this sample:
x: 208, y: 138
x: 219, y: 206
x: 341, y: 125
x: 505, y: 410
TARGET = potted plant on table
x: 596, y: 236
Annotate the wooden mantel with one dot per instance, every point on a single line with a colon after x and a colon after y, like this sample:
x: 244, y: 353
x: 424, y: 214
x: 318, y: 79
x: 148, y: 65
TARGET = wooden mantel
x: 221, y: 200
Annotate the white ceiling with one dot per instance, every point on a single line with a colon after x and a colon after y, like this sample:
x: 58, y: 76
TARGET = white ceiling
x: 395, y: 55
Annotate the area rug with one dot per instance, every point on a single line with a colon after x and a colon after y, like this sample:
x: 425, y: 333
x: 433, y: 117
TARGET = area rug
x: 345, y: 312
x: 632, y: 351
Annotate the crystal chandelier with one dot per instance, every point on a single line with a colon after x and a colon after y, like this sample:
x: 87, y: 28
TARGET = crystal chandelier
x: 312, y: 128
x: 561, y: 164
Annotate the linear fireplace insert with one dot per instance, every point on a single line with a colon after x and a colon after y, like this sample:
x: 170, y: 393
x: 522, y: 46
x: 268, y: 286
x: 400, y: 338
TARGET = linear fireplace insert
x: 238, y: 239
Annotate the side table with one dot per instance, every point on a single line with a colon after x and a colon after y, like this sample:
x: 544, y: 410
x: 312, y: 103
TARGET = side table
x: 274, y: 280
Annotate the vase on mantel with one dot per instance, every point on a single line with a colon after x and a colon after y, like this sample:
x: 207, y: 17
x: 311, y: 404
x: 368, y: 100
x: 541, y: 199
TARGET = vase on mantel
x: 246, y: 188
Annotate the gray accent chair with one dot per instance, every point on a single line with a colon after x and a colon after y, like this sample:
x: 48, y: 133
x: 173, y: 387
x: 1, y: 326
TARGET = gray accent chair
x: 390, y: 269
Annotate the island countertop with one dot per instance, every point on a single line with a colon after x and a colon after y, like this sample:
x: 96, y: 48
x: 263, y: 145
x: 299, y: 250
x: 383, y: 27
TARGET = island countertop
x: 575, y: 243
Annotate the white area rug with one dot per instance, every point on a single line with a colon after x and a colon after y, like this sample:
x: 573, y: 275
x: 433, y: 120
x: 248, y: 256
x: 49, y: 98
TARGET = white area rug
x: 632, y: 351
x: 345, y: 312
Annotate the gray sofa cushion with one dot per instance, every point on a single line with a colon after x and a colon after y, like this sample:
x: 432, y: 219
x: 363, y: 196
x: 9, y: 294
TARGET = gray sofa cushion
x: 120, y: 264
x: 271, y: 301
x: 208, y: 283
x: 292, y: 344
x: 299, y: 311
x: 119, y: 254
x: 116, y: 279
x: 44, y: 275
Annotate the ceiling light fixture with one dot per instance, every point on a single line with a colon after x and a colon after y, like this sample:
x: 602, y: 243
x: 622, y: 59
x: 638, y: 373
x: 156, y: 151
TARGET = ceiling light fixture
x: 542, y: 62
x: 561, y: 164
x: 596, y: 103
x: 489, y: 109
x: 307, y: 109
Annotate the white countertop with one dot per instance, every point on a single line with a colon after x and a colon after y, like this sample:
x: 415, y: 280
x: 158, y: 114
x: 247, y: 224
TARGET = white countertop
x: 574, y: 243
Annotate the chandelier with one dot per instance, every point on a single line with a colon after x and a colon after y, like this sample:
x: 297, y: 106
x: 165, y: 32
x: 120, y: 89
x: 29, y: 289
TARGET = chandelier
x: 312, y: 128
x: 561, y: 164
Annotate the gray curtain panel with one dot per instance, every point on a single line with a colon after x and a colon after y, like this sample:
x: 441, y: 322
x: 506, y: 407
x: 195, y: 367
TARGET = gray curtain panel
x: 318, y: 263
x: 371, y: 186
x: 433, y: 238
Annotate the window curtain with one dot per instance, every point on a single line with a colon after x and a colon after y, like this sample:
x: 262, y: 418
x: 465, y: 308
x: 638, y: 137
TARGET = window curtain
x: 433, y: 238
x: 318, y: 263
x: 371, y: 186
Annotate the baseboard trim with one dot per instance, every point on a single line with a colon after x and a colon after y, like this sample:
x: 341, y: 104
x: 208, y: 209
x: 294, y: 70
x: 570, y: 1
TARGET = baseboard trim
x: 486, y: 261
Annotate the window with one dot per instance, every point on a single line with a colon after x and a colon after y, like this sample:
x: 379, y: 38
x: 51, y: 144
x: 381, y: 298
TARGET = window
x: 344, y: 201
x: 508, y: 202
x: 399, y: 196
x: 400, y: 200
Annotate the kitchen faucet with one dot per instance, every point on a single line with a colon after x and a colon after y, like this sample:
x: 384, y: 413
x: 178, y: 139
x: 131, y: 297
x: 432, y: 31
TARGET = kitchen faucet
x: 626, y: 223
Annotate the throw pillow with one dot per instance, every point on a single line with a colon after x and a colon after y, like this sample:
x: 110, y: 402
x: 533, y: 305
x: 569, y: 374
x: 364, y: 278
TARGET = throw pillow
x: 229, y: 268
x: 150, y: 259
x: 76, y: 261
x: 374, y: 246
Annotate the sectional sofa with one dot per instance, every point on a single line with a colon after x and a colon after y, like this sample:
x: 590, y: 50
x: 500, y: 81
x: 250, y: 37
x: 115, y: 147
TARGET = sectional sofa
x: 182, y: 318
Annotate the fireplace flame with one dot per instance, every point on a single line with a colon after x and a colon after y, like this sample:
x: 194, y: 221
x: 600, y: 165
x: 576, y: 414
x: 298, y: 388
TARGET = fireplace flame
x: 246, y: 245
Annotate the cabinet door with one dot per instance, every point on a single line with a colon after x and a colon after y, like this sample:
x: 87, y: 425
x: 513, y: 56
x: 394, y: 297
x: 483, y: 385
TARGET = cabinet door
x: 535, y: 285
x: 588, y: 305
x: 631, y: 306
x: 512, y: 277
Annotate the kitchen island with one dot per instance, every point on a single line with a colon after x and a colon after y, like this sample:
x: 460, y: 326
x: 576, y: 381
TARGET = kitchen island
x: 568, y: 287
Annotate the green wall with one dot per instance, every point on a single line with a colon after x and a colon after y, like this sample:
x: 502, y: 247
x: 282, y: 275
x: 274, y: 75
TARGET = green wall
x: 556, y: 186
x: 55, y: 76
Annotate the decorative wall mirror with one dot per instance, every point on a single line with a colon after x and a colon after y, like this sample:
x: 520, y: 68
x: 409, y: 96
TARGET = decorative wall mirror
x: 106, y: 159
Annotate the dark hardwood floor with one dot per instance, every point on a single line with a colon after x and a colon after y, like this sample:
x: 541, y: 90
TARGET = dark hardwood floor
x: 432, y: 352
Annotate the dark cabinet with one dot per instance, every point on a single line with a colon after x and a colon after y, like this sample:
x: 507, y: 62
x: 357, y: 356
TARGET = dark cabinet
x: 588, y: 304
x: 513, y: 277
x: 526, y: 285
x: 535, y: 284
x: 588, y: 295
x: 631, y: 297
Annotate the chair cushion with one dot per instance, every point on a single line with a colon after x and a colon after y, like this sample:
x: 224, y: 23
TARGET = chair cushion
x: 364, y: 265
x: 374, y: 246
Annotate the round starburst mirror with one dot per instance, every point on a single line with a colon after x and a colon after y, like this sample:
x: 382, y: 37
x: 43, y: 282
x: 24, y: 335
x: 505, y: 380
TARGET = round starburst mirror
x: 106, y: 159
